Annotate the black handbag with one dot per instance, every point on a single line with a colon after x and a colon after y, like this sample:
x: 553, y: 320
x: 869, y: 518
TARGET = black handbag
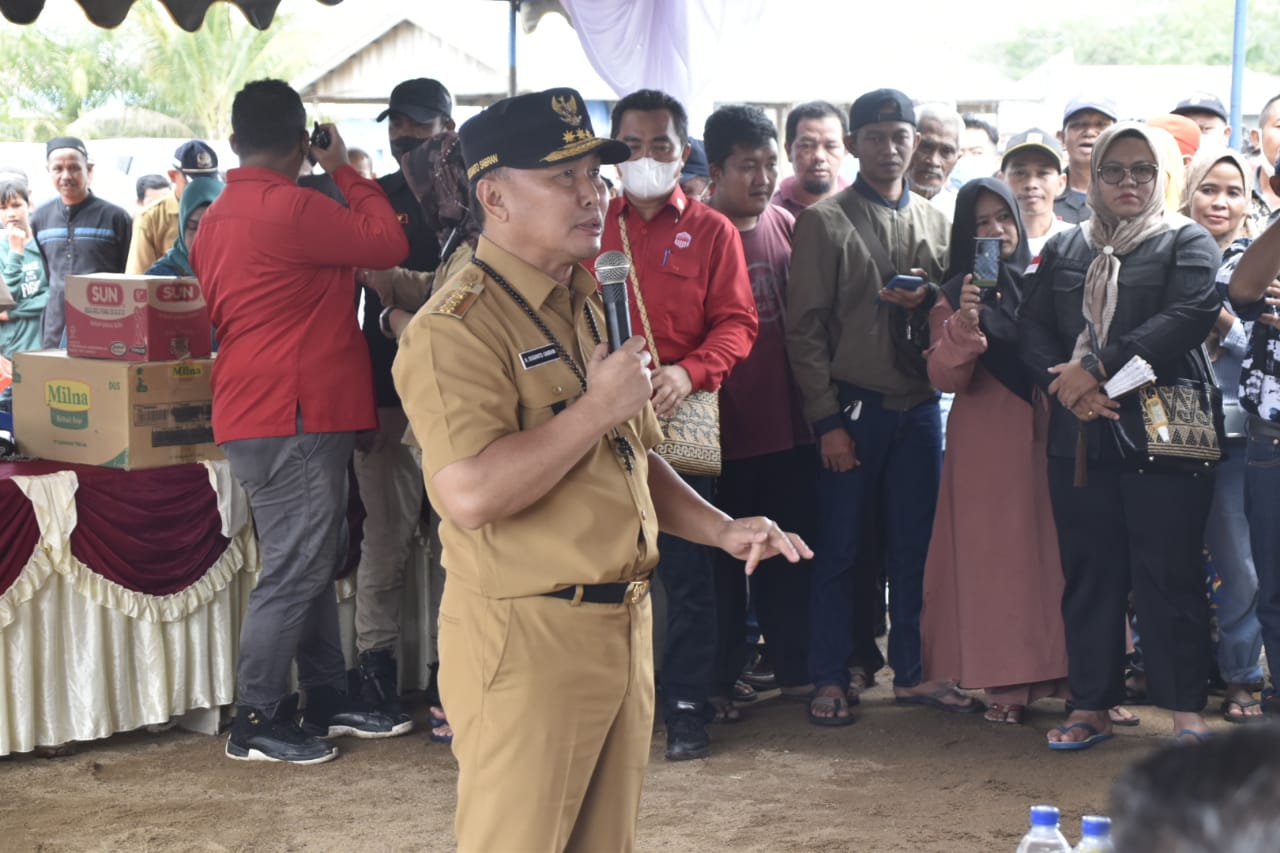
x: 1175, y: 426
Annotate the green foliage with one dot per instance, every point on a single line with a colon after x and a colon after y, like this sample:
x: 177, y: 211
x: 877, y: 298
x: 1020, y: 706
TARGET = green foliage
x: 1182, y: 32
x: 194, y: 76
x: 54, y: 78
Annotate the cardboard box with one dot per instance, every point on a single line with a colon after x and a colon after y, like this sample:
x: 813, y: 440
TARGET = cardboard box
x: 113, y: 413
x: 136, y: 317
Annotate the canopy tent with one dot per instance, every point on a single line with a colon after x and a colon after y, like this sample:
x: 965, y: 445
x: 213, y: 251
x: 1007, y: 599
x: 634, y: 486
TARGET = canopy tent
x: 189, y: 14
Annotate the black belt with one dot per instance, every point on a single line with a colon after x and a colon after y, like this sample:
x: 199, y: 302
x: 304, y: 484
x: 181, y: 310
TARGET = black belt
x: 604, y: 593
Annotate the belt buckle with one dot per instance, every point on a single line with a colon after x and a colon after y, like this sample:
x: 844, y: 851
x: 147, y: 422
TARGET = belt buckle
x: 636, y: 591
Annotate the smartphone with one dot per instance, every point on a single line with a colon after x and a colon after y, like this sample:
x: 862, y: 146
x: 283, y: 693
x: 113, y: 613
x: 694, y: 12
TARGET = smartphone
x: 904, y: 282
x: 986, y: 266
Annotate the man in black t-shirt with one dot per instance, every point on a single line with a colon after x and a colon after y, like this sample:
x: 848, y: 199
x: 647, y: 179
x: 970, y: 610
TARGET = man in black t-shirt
x: 390, y: 480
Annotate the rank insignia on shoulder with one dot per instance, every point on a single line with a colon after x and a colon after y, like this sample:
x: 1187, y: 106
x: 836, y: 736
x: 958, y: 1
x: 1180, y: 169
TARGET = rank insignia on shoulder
x: 458, y: 301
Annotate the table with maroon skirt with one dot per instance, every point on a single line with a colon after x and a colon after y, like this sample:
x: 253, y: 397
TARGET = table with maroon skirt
x: 122, y: 595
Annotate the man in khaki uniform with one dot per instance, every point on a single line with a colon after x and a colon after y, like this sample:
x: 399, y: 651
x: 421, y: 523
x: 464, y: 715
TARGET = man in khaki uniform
x: 536, y: 451
x: 155, y: 227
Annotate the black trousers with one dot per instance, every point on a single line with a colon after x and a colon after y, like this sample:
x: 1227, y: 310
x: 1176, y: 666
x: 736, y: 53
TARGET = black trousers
x: 685, y: 569
x: 780, y: 486
x: 1142, y: 531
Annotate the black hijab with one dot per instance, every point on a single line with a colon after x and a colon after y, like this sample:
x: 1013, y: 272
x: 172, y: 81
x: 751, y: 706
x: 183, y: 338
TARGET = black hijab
x: 996, y: 321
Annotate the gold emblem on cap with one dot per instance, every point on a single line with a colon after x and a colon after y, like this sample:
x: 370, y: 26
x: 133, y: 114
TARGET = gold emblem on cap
x: 203, y: 160
x: 567, y: 108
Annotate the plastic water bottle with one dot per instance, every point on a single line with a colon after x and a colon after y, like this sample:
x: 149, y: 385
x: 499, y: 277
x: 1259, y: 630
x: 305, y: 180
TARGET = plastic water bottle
x: 1096, y: 837
x: 1044, y: 836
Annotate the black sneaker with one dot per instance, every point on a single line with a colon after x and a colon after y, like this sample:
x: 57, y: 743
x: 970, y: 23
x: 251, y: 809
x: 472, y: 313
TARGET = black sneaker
x: 378, y: 688
x: 331, y: 713
x: 687, y: 737
x: 257, y: 737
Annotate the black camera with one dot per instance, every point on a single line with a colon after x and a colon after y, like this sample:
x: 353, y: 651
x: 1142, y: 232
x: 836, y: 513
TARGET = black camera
x: 320, y: 137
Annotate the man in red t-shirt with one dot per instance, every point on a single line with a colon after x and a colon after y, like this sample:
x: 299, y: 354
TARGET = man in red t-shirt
x: 291, y: 388
x: 769, y: 459
x: 688, y: 266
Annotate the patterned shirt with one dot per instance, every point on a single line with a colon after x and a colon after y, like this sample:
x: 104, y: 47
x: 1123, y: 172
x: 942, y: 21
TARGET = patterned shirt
x: 1260, y: 370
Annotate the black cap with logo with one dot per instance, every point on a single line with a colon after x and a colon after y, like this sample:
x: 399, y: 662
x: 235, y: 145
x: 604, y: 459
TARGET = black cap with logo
x: 196, y: 157
x: 421, y: 99
x: 1201, y: 102
x: 1034, y: 139
x: 881, y: 105
x: 532, y: 131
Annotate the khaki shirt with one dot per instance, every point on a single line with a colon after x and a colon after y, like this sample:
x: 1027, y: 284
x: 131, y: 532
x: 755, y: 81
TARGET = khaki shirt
x: 155, y: 230
x: 472, y: 368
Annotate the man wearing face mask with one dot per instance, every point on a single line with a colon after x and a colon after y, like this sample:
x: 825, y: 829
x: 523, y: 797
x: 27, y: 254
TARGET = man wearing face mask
x: 389, y: 478
x: 688, y: 267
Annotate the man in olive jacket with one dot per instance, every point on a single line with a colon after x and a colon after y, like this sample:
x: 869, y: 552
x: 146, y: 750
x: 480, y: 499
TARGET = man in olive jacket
x: 850, y: 342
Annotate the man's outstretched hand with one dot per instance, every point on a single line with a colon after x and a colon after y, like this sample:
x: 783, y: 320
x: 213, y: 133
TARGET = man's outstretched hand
x: 757, y: 538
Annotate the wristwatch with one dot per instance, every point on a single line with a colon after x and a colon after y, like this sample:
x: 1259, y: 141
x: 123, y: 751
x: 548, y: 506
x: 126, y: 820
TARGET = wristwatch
x: 384, y: 323
x: 1090, y: 363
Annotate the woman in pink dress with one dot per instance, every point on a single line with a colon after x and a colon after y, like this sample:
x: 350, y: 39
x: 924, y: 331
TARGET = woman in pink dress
x: 993, y: 580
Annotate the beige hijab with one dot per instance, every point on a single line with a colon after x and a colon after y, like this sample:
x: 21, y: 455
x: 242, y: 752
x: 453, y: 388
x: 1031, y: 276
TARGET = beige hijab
x: 1199, y: 168
x: 1112, y: 236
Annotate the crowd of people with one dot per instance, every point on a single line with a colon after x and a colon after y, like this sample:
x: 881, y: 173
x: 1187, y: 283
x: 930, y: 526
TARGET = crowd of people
x: 803, y: 351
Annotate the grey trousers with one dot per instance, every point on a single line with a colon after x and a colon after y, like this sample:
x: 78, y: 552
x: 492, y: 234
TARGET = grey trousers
x: 297, y: 487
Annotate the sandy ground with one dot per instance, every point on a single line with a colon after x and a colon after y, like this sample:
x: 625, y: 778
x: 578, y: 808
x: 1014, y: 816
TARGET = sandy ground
x: 900, y: 779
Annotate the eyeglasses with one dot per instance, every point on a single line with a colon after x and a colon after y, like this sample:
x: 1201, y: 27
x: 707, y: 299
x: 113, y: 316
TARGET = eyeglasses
x: 1142, y: 173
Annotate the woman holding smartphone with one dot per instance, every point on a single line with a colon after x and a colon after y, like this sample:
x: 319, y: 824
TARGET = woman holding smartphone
x: 1135, y: 280
x: 992, y: 582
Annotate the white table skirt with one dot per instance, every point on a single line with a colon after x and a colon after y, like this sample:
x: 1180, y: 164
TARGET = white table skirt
x: 83, y: 658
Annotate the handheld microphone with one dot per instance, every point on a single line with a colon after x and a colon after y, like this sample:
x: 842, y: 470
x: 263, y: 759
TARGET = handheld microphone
x: 612, y: 269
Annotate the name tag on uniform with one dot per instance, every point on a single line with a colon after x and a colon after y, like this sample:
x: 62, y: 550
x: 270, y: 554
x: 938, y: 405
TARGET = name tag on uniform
x: 539, y: 355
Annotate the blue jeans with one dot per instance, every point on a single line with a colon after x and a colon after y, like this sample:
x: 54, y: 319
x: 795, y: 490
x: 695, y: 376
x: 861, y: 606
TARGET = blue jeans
x: 1262, y: 507
x: 901, y: 463
x: 1226, y: 533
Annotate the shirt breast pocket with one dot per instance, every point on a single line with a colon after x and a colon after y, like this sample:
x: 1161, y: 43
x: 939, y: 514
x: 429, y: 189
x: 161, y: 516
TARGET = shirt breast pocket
x: 682, y: 300
x: 545, y: 391
x: 1144, y: 283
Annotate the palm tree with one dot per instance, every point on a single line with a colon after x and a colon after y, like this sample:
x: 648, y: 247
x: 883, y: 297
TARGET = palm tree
x: 193, y: 77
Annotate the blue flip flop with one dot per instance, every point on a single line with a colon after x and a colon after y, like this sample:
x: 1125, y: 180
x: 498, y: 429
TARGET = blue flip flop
x: 1200, y: 737
x: 439, y: 723
x: 1095, y: 737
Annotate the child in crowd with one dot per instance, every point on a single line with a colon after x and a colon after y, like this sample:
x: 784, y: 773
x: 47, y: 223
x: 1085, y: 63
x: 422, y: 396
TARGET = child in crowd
x: 22, y: 275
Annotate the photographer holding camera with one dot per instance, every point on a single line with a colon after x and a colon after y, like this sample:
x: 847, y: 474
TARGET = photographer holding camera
x: 290, y: 391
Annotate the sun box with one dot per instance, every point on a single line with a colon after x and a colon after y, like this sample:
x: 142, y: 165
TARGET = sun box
x: 136, y: 317
x: 113, y: 413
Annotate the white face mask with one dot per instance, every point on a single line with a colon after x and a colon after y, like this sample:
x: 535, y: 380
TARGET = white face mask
x: 648, y: 178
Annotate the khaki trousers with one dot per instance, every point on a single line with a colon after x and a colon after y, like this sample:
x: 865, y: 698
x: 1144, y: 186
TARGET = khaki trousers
x: 391, y: 490
x: 551, y: 705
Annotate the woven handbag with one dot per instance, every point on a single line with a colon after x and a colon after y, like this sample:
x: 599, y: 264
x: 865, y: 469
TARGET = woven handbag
x: 1177, y: 426
x: 691, y: 442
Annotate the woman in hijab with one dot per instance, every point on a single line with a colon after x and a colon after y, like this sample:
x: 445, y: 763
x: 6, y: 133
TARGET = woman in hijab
x: 1134, y: 280
x: 196, y: 198
x: 1217, y: 196
x: 992, y: 582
